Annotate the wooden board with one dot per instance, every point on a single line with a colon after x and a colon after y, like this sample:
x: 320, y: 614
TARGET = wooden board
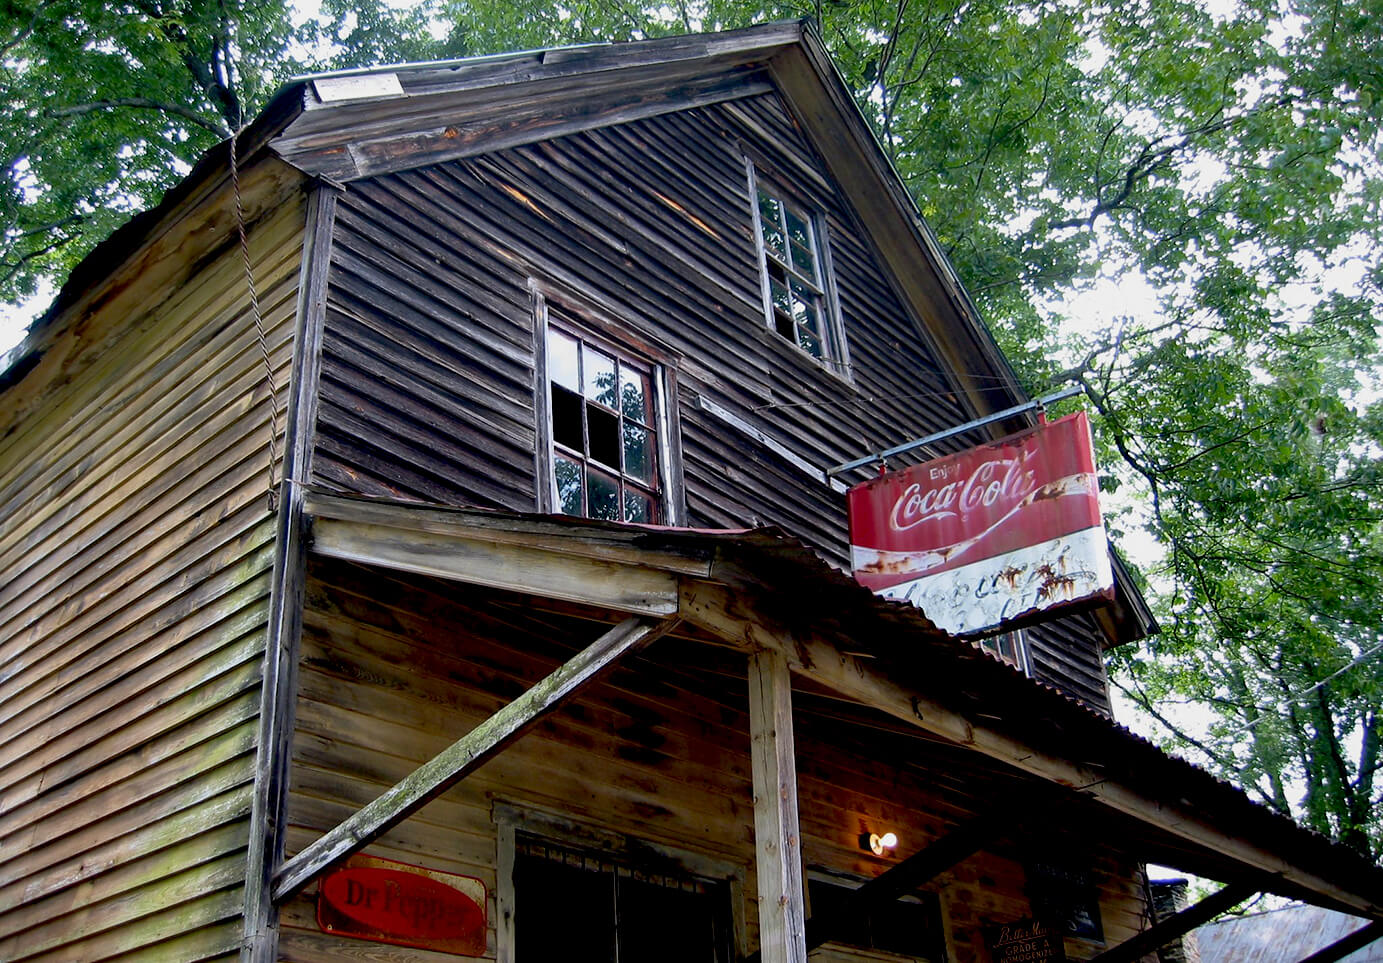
x: 138, y: 541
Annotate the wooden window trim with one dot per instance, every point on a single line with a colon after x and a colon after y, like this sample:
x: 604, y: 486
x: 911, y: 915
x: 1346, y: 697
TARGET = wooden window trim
x: 587, y: 324
x: 512, y: 819
x: 848, y: 953
x: 1022, y: 660
x: 835, y: 357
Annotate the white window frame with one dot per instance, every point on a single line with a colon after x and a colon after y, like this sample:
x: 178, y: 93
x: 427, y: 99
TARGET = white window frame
x: 835, y: 355
x: 592, y: 328
x: 1021, y: 661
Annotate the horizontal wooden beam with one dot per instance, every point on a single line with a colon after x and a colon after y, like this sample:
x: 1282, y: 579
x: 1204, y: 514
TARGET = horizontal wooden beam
x: 448, y: 767
x: 565, y: 536
x: 479, y: 560
x: 1352, y: 943
x: 720, y: 610
x: 1178, y: 925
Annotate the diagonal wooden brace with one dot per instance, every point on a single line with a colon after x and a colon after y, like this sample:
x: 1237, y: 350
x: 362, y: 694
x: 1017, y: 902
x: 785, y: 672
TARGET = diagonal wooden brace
x: 448, y: 767
x: 1163, y: 932
x: 1341, y: 948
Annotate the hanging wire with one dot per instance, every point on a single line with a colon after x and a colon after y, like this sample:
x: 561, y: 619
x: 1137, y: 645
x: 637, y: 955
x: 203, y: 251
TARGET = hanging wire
x: 1297, y: 698
x: 258, y: 318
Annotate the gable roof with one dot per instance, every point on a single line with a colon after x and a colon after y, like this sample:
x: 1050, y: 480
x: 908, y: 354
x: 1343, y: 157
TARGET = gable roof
x: 354, y: 124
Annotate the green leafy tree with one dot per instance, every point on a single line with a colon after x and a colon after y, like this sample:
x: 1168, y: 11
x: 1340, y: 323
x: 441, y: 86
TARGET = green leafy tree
x: 109, y: 104
x: 1227, y: 160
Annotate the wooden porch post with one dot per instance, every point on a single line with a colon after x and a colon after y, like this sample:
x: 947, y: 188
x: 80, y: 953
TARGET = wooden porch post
x: 777, y: 832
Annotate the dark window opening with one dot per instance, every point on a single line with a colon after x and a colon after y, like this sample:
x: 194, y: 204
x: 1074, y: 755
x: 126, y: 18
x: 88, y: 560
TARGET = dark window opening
x: 584, y: 908
x: 909, y: 927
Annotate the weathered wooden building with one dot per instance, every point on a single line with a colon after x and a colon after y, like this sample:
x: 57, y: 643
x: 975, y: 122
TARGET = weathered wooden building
x: 517, y: 398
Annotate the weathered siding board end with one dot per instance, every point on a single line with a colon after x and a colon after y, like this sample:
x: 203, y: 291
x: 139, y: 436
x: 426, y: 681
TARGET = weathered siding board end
x: 132, y: 623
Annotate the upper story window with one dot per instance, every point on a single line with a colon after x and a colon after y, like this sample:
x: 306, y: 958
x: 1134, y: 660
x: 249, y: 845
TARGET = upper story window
x: 605, y: 434
x: 795, y: 266
x: 1010, y: 646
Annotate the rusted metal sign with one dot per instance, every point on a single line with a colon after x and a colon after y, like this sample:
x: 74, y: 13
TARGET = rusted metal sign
x: 990, y: 535
x: 389, y: 902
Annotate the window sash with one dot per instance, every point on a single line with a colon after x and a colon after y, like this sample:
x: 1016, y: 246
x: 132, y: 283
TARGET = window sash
x: 794, y: 270
x: 615, y: 471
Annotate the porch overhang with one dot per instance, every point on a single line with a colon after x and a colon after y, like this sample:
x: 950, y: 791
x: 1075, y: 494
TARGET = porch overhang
x: 759, y: 591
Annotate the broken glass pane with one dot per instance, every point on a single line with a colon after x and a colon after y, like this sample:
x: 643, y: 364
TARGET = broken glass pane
x: 602, y: 497
x: 566, y: 419
x: 600, y: 377
x: 603, y: 433
x: 568, y: 474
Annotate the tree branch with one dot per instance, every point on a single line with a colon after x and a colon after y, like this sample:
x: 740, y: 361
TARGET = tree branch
x: 138, y: 103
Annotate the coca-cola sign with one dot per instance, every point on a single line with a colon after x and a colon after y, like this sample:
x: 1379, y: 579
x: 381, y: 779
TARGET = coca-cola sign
x: 989, y: 535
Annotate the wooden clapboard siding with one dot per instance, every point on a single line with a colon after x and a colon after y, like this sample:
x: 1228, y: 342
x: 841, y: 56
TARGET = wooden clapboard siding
x: 139, y: 542
x: 650, y: 220
x: 428, y: 362
x: 1062, y: 655
x: 395, y: 667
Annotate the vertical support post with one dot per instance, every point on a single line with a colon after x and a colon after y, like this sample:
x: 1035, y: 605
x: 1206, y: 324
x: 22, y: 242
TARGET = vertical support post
x: 777, y: 832
x: 279, y: 692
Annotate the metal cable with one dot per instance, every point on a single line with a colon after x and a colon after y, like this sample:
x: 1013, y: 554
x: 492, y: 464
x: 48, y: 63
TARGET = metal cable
x: 258, y: 319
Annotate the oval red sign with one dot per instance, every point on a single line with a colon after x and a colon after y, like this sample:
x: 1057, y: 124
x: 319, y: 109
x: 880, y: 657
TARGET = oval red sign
x: 374, y: 902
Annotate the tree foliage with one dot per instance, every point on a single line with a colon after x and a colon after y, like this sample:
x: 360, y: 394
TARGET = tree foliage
x: 1223, y: 158
x: 109, y: 104
x: 1227, y: 162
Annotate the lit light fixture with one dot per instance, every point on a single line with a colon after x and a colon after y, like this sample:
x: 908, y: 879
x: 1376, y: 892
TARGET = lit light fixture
x: 877, y: 844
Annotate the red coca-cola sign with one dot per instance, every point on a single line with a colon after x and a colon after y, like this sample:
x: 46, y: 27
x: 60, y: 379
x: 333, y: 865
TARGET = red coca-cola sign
x: 1017, y: 522
x: 389, y: 902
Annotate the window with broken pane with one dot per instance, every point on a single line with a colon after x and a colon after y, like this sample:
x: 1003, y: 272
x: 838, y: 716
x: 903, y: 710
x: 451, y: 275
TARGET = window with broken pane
x: 793, y: 274
x: 604, y: 436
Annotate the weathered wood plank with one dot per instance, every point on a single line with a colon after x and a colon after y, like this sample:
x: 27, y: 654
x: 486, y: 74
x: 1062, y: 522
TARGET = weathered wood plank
x: 482, y: 562
x: 230, y: 807
x: 150, y: 275
x: 87, y: 761
x: 265, y: 845
x: 450, y: 766
x: 170, y: 359
x: 91, y: 687
x: 527, y: 532
x: 777, y: 830
x: 714, y: 608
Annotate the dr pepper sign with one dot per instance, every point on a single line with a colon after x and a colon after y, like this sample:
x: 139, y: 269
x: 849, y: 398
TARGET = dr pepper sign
x: 984, y: 537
